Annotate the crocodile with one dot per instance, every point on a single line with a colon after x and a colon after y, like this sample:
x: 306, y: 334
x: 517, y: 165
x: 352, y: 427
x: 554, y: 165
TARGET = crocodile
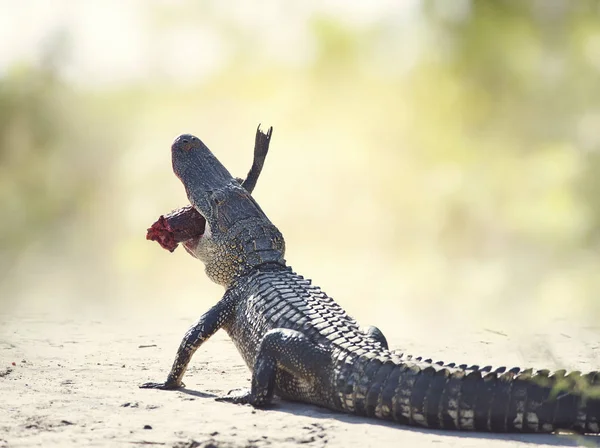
x: 300, y: 345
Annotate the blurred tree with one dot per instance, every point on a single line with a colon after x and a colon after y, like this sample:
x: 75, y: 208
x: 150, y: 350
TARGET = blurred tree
x: 521, y: 79
x: 534, y: 62
x: 496, y: 185
x: 49, y: 166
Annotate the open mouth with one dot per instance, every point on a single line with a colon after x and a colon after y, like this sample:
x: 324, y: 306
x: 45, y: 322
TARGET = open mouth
x: 179, y: 226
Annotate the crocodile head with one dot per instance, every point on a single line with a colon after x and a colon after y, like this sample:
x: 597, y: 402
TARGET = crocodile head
x: 236, y: 236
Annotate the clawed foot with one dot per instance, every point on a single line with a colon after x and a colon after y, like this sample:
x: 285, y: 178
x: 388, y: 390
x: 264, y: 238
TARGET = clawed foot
x: 162, y: 386
x: 244, y: 396
x: 237, y: 396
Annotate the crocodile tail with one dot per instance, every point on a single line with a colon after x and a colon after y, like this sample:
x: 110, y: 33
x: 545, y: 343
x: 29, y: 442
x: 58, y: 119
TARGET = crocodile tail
x: 437, y: 396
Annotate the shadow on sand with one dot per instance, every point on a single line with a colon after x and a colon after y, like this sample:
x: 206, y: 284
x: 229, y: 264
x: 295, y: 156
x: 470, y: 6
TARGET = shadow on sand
x: 322, y: 413
x: 534, y: 439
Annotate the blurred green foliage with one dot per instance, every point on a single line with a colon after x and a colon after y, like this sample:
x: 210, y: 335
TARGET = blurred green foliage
x: 51, y: 169
x: 503, y: 153
x: 467, y: 139
x: 38, y: 188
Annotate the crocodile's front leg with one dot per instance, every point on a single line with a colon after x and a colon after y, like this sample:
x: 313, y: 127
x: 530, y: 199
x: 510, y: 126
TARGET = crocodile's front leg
x: 286, y: 349
x: 203, y: 329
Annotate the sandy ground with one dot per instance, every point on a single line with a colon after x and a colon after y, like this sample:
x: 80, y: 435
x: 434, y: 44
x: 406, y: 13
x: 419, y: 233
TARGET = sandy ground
x: 73, y: 382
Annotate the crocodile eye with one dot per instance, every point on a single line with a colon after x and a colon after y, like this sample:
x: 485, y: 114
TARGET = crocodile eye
x: 218, y: 197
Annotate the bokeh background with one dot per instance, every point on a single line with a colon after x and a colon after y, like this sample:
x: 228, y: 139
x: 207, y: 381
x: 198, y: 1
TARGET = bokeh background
x: 427, y: 155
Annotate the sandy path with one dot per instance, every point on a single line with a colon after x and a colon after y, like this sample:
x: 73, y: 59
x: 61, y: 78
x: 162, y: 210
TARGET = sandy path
x: 73, y: 382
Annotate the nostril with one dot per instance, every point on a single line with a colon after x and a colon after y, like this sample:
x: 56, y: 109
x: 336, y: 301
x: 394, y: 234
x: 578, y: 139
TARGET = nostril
x: 185, y: 142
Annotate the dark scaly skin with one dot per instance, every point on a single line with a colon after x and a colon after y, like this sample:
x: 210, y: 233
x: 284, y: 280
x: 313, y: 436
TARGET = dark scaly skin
x: 302, y: 346
x: 186, y: 223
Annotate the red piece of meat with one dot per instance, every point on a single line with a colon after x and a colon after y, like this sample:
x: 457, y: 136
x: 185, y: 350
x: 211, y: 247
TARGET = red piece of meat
x: 178, y: 226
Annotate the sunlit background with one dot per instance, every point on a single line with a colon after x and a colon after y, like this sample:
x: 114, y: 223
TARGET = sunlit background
x: 427, y: 155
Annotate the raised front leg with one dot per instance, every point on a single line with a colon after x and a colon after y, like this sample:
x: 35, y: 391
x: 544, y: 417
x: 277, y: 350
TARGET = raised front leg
x: 206, y: 326
x: 261, y: 148
x: 376, y: 334
x: 284, y: 349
